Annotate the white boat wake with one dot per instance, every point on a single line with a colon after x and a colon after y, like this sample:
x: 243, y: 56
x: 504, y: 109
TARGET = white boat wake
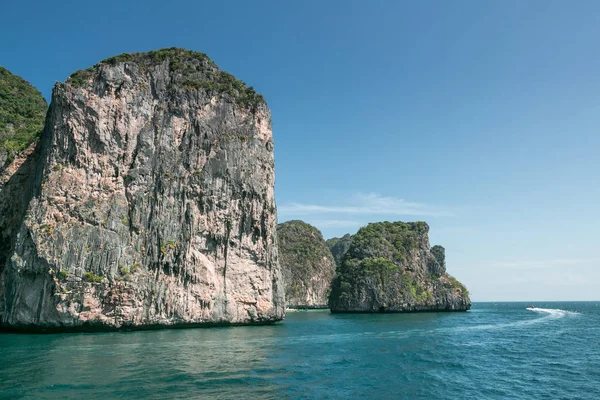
x: 547, y: 314
x: 557, y: 312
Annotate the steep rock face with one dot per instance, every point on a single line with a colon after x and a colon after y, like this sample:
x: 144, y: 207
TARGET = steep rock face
x: 390, y: 267
x: 22, y: 112
x: 152, y: 203
x: 15, y: 190
x: 339, y: 247
x: 307, y: 265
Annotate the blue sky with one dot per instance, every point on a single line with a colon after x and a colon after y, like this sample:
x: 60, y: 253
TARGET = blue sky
x: 480, y: 118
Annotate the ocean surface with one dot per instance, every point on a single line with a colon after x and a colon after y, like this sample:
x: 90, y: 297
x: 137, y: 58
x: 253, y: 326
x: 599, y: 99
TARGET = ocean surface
x: 494, y: 351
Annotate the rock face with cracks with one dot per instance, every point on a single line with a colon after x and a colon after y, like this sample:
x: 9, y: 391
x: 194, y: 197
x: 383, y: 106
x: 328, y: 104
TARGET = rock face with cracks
x: 148, y: 202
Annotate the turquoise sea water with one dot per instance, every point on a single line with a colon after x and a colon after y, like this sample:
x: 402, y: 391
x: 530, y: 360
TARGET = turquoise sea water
x: 495, y: 351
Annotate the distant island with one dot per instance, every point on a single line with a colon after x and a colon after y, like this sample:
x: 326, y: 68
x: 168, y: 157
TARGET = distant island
x: 307, y: 264
x: 146, y: 201
x: 384, y: 267
x: 389, y: 267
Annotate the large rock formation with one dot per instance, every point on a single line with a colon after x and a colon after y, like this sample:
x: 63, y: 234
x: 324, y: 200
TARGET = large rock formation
x: 389, y: 267
x: 152, y: 202
x: 339, y: 247
x: 307, y: 265
x: 22, y: 112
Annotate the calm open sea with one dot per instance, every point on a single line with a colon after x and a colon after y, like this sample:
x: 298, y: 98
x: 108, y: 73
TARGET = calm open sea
x: 495, y: 351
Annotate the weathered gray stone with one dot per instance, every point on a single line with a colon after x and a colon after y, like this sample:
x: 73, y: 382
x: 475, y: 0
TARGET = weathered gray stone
x: 153, y: 203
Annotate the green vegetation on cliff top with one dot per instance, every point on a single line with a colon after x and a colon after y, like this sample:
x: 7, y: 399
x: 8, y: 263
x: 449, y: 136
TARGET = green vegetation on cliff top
x: 190, y: 70
x: 22, y: 112
x: 391, y: 240
x: 301, y: 243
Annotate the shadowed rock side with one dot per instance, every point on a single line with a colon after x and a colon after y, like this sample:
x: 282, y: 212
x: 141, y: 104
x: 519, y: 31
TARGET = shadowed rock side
x: 339, y: 247
x: 307, y: 265
x: 389, y: 267
x: 152, y: 206
x: 15, y: 190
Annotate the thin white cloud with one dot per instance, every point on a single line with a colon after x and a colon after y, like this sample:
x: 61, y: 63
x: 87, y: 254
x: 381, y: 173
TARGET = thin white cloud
x: 523, y: 264
x: 365, y: 204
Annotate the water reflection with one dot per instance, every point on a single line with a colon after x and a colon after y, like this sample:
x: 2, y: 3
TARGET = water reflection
x: 151, y: 364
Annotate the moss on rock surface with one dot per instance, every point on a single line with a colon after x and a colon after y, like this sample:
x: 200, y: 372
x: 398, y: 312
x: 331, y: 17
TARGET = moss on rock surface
x: 307, y: 265
x: 189, y: 71
x: 22, y: 113
x: 389, y: 267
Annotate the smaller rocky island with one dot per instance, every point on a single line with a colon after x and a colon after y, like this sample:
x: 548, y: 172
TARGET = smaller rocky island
x: 307, y: 265
x: 390, y: 267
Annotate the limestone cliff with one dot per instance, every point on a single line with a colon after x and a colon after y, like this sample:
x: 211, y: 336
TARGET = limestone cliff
x: 152, y: 202
x: 389, y: 267
x: 307, y: 265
